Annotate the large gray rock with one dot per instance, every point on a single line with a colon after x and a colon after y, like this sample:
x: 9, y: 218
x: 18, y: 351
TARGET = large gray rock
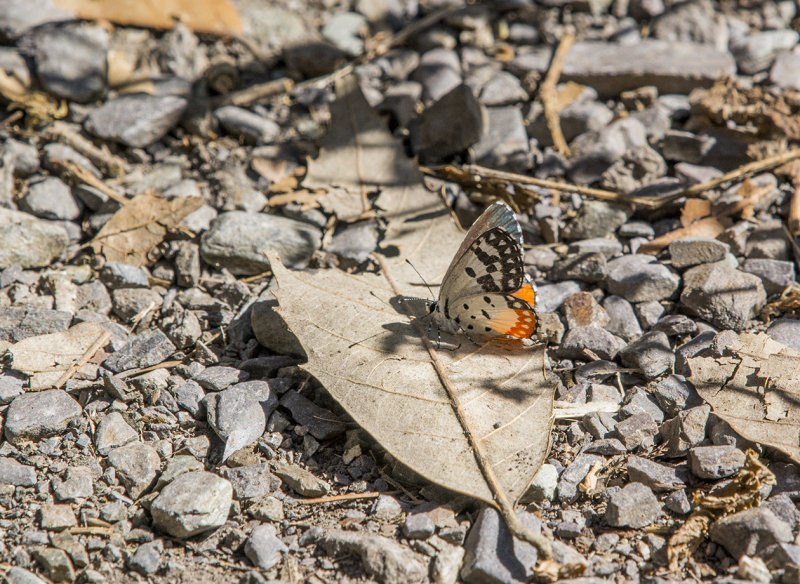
x: 239, y: 242
x: 725, y: 297
x: 136, y: 120
x: 29, y: 242
x: 193, y: 503
x: 33, y: 416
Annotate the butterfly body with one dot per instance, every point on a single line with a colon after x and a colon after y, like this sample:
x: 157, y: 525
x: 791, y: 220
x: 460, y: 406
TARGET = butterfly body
x: 485, y: 291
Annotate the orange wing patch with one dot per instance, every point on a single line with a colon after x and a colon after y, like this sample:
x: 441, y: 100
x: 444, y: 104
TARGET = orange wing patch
x: 514, y: 322
x: 526, y: 293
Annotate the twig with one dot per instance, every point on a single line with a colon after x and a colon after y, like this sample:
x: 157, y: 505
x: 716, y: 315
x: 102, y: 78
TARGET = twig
x: 98, y: 344
x: 335, y: 498
x: 506, y: 507
x: 11, y: 119
x: 60, y: 131
x: 548, y: 95
x: 76, y: 173
x: 794, y: 209
x: 107, y: 531
x: 164, y: 365
x: 250, y: 95
x: 744, y: 170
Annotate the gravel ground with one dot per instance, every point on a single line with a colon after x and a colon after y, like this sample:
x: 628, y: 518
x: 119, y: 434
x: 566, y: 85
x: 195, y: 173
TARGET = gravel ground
x: 185, y: 451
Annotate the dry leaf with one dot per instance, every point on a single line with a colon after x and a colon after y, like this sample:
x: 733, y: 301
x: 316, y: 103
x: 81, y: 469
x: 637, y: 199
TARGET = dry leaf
x: 46, y: 358
x: 139, y: 226
x: 742, y: 492
x: 789, y: 301
x: 708, y: 227
x: 755, y: 388
x: 304, y: 197
x: 214, y: 16
x: 693, y: 210
x: 475, y: 419
x: 358, y: 158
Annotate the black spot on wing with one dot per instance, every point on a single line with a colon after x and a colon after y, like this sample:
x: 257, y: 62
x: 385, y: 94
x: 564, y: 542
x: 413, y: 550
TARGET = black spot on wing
x: 470, y: 272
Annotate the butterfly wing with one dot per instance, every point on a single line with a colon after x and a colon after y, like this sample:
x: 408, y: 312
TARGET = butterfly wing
x: 492, y: 314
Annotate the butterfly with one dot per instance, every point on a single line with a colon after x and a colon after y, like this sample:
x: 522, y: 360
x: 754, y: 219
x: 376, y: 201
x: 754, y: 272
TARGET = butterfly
x: 485, y: 291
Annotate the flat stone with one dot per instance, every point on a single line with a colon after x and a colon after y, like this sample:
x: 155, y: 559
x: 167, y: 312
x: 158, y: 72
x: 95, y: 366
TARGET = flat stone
x: 756, y: 52
x: 607, y: 447
x: 386, y: 508
x: 21, y: 576
x: 246, y: 124
x: 633, y: 506
x: 715, y: 462
x: 57, y: 517
x: 502, y: 89
x: 345, y: 30
x: 622, y: 319
x: 493, y: 554
x: 776, y: 275
x: 239, y: 241
x: 640, y: 401
x: 381, y: 558
x: 658, y: 477
x: 219, y: 377
x: 50, y: 198
x: 595, y: 219
x: 14, y: 473
x: 452, y: 124
x: 29, y: 242
x: 33, y: 416
x: 112, y: 432
x: 78, y: 484
x: 674, y: 395
x: 550, y: 297
x: 640, y: 278
x: 608, y: 248
x: 691, y: 251
x: 264, y: 548
x: 147, y: 558
x: 301, y: 481
x: 544, y: 484
x: 119, y: 275
x: 130, y: 303
x: 321, y: 422
x: 785, y: 70
x: 681, y: 146
x: 610, y: 68
x: 136, y: 466
x: 725, y: 297
x: 686, y: 430
x: 177, y: 465
x: 786, y: 331
x: 505, y: 142
x: 678, y: 502
x: 189, y: 397
x: 250, y: 481
x: 651, y: 354
x: 10, y: 387
x: 637, y: 431
x: 582, y: 309
x: 597, y: 340
x: 418, y: 526
x: 55, y: 563
x: 19, y: 16
x: 586, y: 267
x: 193, y: 503
x: 21, y: 322
x: 71, y: 61
x: 136, y: 120
x: 439, y: 72
x: 237, y: 417
x: 674, y: 325
x: 750, y: 531
x: 143, y: 350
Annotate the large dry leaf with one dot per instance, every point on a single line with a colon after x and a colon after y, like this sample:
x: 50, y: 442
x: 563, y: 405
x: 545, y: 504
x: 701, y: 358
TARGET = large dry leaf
x: 140, y: 225
x: 755, y: 389
x: 214, y: 16
x: 475, y: 419
x: 358, y: 158
x: 48, y: 359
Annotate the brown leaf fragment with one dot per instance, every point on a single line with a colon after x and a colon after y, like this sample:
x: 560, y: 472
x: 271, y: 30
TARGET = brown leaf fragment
x: 694, y: 210
x: 211, y: 16
x: 708, y: 227
x: 789, y: 300
x: 133, y: 233
x: 755, y: 389
x: 45, y: 359
x: 359, y: 157
x: 743, y: 492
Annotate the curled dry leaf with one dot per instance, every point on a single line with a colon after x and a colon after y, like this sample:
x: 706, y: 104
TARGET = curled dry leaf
x: 131, y: 235
x: 743, y: 492
x: 475, y: 419
x: 754, y: 388
x: 48, y: 360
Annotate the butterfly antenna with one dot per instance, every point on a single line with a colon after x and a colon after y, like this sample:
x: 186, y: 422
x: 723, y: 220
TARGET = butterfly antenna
x: 424, y: 281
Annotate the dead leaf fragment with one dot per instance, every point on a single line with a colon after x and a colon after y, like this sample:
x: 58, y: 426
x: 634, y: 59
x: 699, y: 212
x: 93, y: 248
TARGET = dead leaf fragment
x: 743, y: 492
x: 212, y: 16
x: 131, y: 235
x: 708, y: 227
x: 359, y: 157
x: 45, y: 359
x: 755, y: 389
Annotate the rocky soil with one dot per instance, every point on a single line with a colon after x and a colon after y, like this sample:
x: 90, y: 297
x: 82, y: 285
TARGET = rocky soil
x: 182, y: 450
